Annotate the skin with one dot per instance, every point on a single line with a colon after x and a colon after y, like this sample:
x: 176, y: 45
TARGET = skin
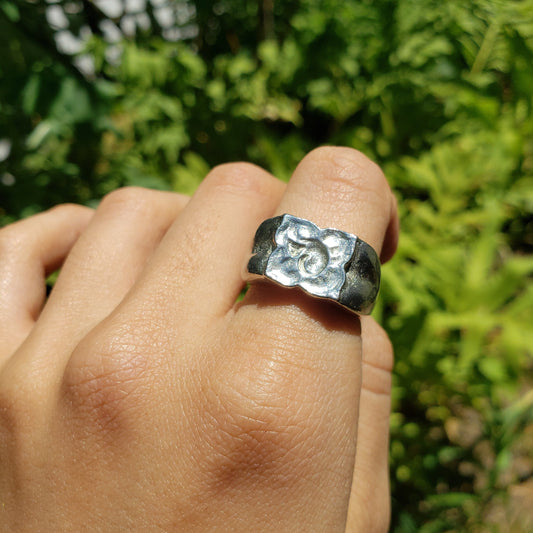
x: 140, y: 397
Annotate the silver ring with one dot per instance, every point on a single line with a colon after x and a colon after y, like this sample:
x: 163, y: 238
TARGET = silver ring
x: 326, y: 263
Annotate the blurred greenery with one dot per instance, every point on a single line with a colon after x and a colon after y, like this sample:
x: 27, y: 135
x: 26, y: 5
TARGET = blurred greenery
x: 154, y: 93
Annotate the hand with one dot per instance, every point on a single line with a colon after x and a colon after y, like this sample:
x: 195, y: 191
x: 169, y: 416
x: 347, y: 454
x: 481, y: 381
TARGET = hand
x: 141, y: 397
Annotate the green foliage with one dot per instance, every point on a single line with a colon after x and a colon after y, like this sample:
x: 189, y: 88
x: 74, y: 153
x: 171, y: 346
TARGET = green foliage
x: 439, y: 93
x: 460, y: 320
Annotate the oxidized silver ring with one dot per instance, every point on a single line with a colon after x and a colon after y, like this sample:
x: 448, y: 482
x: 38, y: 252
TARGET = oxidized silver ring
x: 326, y: 263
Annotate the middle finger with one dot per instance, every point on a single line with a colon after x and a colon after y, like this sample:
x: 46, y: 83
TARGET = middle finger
x: 311, y: 349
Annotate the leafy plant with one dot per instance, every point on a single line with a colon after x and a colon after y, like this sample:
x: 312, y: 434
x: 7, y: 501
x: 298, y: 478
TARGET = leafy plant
x: 439, y: 93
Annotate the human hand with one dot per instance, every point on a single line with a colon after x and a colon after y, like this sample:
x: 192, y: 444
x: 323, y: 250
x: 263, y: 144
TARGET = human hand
x: 142, y: 398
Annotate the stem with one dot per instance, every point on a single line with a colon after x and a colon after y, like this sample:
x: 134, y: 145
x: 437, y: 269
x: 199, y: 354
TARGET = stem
x: 266, y: 8
x: 485, y: 49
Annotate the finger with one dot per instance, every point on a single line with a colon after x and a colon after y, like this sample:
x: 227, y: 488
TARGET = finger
x: 30, y: 250
x: 102, y: 267
x: 341, y: 188
x: 131, y: 371
x: 369, y: 508
x: 269, y: 393
x: 311, y: 351
x: 197, y: 269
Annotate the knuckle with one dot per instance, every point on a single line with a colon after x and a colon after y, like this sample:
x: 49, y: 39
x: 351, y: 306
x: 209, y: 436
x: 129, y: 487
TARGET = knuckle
x: 184, y: 269
x: 17, y: 237
x: 239, y: 179
x: 105, y: 383
x: 380, y: 353
x: 258, y: 430
x: 11, y: 240
x: 128, y: 199
x: 376, y: 380
x: 248, y: 445
x: 348, y: 169
x: 378, y: 358
x: 70, y: 209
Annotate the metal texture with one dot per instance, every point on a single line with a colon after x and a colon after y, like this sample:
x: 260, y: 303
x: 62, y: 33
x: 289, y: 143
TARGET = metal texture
x: 326, y: 263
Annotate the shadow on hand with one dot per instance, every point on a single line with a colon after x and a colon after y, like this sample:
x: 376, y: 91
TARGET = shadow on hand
x: 328, y: 314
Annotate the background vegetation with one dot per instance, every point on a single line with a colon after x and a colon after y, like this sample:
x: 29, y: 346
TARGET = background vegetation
x: 99, y: 94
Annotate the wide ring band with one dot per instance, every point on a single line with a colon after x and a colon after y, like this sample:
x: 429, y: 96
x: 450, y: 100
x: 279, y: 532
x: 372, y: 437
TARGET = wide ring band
x: 326, y: 263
